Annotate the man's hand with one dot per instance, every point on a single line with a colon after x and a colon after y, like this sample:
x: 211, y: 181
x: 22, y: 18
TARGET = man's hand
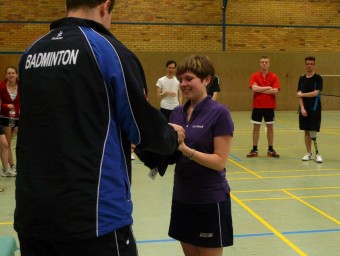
x: 180, y: 132
x: 303, y: 112
x: 133, y: 146
x: 169, y: 93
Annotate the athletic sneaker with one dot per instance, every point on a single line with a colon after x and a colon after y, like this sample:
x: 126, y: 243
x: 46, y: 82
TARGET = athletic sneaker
x: 132, y: 157
x: 273, y: 154
x: 307, y: 157
x: 318, y: 158
x: 13, y: 169
x: 8, y: 173
x: 253, y: 153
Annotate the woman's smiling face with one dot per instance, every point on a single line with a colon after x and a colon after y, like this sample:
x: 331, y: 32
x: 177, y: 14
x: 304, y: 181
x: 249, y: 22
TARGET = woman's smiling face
x: 11, y: 75
x: 193, y: 87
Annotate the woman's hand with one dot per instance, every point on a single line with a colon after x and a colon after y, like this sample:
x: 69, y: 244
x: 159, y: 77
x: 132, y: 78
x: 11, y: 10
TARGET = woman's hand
x: 180, y: 132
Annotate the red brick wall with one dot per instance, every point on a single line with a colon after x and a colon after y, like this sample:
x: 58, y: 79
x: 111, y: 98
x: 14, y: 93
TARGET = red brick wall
x: 193, y: 26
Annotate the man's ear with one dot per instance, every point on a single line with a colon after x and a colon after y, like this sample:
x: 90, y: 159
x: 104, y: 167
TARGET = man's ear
x: 104, y: 7
x: 107, y: 5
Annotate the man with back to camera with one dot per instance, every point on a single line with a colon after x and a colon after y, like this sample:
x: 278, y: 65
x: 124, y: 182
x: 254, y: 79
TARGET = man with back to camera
x: 309, y: 88
x: 83, y: 104
x: 265, y: 85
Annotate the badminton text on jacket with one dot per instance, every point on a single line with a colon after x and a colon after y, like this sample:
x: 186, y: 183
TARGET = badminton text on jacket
x: 51, y: 59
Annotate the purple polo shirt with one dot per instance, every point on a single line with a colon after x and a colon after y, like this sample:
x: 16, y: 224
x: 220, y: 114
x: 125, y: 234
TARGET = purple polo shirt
x: 194, y: 183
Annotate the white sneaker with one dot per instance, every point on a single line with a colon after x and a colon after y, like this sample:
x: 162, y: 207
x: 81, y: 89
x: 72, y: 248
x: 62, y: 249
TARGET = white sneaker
x: 13, y: 169
x: 8, y: 173
x: 132, y: 156
x: 318, y: 158
x: 307, y: 157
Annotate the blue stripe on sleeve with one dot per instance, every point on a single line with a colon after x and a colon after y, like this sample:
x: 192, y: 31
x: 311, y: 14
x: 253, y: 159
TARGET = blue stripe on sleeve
x: 114, y: 207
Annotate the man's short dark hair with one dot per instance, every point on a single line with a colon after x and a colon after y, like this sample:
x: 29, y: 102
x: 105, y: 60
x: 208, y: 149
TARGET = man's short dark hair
x: 73, y: 4
x: 312, y: 58
x: 169, y: 62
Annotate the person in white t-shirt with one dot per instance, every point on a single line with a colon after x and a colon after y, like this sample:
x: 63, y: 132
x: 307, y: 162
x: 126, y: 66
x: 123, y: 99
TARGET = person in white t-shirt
x: 168, y: 90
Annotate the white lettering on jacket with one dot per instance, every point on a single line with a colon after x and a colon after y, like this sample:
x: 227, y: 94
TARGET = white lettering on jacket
x: 51, y: 59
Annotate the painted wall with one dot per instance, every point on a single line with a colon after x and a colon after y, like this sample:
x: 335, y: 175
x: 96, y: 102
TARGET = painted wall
x: 235, y: 68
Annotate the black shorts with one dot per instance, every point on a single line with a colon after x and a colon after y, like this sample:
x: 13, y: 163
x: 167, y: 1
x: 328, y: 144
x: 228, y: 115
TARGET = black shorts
x: 311, y: 122
x: 203, y: 225
x: 259, y: 113
x: 5, y: 122
x: 1, y: 130
x: 117, y: 243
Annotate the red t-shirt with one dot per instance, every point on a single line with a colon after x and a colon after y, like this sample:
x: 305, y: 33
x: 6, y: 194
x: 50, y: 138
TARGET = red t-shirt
x: 262, y: 100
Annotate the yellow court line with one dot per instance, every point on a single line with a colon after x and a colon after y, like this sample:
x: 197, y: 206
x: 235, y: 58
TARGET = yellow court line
x: 266, y: 199
x: 282, y: 177
x: 301, y: 170
x: 286, y: 198
x: 290, y: 171
x: 245, y: 168
x: 316, y: 188
x: 312, y: 207
x: 267, y: 225
x: 280, y: 189
x: 6, y: 223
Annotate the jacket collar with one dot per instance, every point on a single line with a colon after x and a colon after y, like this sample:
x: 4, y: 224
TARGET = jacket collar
x: 71, y: 21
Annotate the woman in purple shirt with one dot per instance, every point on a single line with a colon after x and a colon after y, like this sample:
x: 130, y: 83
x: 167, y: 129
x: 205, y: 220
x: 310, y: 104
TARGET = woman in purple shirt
x: 201, y: 210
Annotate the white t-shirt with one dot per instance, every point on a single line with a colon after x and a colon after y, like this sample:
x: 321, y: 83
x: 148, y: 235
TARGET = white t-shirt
x: 169, y: 84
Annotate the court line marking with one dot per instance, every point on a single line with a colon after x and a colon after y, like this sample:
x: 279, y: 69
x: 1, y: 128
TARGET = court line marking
x: 281, y: 177
x: 298, y: 232
x: 270, y: 227
x: 245, y: 168
x: 277, y: 189
x: 312, y: 207
x: 286, y: 198
x: 289, y: 171
x: 300, y: 170
x: 282, y: 129
x: 235, y: 157
x: 315, y: 188
x: 6, y: 223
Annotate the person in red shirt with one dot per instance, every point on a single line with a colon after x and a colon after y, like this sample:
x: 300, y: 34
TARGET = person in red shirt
x: 265, y: 85
x: 10, y: 110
